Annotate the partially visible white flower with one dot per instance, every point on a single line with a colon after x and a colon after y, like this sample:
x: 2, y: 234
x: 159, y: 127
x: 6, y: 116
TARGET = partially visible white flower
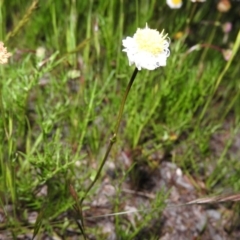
x: 147, y: 48
x: 198, y: 0
x: 174, y: 3
x: 40, y: 53
x: 227, y: 53
x: 224, y: 6
x: 4, y: 54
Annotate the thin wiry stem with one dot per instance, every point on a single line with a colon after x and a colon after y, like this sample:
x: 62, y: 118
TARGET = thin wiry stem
x: 114, y: 136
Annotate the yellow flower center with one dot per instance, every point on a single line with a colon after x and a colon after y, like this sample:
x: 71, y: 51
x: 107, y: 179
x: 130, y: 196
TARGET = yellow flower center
x: 176, y: 2
x: 150, y: 40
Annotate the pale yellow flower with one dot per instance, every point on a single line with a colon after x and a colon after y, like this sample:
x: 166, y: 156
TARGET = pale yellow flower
x: 224, y: 6
x: 174, y: 3
x: 147, y: 48
x: 4, y: 55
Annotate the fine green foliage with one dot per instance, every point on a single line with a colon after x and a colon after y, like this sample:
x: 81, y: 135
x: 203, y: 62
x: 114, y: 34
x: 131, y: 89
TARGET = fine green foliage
x: 61, y: 91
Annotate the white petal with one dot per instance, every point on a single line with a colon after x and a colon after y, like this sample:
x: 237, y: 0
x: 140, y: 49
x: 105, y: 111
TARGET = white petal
x: 128, y: 42
x: 173, y: 5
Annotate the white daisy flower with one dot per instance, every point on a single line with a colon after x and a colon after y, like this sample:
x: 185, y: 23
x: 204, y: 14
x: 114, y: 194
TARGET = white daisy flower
x: 147, y: 48
x: 174, y: 3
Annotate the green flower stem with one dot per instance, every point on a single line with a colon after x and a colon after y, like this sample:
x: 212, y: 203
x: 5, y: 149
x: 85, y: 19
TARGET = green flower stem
x: 113, y: 139
x: 193, y: 10
x: 120, y: 113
